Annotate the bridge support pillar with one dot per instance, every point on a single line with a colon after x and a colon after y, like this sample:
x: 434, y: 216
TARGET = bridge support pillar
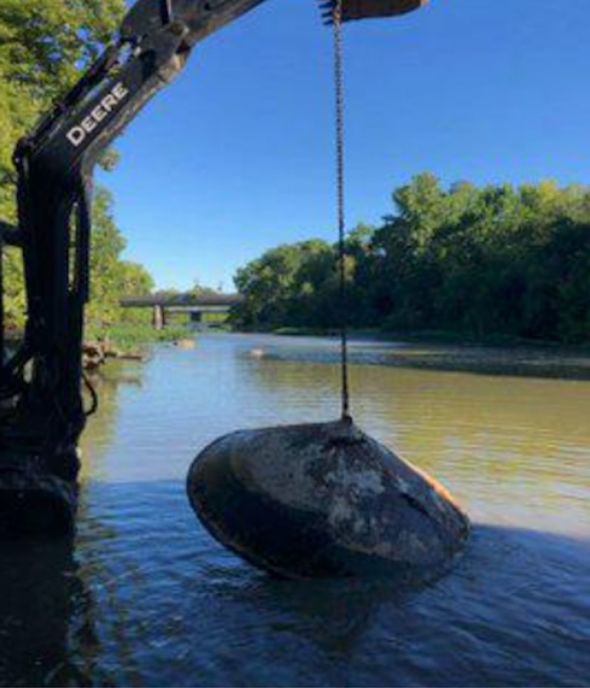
x: 159, y: 317
x: 196, y: 317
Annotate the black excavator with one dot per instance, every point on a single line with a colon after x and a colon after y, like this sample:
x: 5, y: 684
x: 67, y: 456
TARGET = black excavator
x: 42, y: 408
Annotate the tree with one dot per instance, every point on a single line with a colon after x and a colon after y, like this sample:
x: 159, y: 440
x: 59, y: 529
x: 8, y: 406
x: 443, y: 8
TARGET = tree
x: 110, y: 276
x: 44, y: 47
x: 281, y: 286
x: 475, y: 260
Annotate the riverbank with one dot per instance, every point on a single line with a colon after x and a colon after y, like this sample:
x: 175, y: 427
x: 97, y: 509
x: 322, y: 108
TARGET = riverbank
x: 498, y: 355
x: 126, y: 336
x: 123, y: 341
x: 128, y: 341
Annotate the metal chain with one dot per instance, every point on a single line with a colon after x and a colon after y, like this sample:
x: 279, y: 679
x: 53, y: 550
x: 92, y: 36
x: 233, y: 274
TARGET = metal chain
x: 340, y: 188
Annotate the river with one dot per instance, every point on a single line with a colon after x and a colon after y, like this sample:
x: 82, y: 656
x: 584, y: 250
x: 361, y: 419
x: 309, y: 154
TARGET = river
x: 145, y: 597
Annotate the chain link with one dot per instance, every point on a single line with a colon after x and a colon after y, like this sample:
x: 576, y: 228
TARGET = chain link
x: 341, y: 210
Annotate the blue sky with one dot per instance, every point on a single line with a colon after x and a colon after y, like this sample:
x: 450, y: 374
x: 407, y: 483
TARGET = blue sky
x: 236, y: 156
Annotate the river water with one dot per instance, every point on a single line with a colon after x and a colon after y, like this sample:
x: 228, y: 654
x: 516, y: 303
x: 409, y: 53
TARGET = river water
x: 145, y: 597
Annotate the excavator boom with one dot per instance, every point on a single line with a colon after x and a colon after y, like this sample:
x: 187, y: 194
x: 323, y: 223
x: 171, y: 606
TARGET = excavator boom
x: 367, y: 9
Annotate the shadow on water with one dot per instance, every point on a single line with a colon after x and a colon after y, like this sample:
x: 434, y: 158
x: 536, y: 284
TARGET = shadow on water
x: 45, y: 615
x: 142, y: 601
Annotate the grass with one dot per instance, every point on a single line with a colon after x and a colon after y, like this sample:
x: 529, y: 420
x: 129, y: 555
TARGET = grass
x: 129, y: 336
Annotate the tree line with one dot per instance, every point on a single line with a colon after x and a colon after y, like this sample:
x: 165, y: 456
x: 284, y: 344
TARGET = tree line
x: 473, y: 260
x: 44, y: 48
x: 476, y: 261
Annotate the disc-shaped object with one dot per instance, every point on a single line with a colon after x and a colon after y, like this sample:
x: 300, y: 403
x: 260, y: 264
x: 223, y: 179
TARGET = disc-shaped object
x: 324, y: 500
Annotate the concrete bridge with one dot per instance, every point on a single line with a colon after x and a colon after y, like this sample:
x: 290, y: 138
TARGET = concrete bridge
x: 196, y: 305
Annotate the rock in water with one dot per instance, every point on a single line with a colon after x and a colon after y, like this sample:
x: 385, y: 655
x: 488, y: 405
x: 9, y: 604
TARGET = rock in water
x: 324, y: 499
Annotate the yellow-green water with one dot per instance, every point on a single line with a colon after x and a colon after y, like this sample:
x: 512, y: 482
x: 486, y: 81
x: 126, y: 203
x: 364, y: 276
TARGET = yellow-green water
x: 145, y: 597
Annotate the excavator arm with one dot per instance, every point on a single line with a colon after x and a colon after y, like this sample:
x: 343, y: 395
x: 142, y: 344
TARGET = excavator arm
x: 41, y: 405
x: 55, y: 165
x: 367, y: 9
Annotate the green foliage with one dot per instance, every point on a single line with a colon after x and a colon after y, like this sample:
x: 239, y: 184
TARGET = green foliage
x: 112, y: 277
x: 44, y: 47
x: 128, y: 336
x: 287, y: 284
x: 478, y: 261
x: 14, y: 294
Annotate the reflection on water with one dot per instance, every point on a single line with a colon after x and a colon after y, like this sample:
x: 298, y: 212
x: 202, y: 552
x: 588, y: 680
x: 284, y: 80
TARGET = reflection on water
x: 145, y: 597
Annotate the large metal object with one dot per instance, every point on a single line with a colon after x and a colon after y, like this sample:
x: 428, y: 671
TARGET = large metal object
x: 364, y: 9
x: 324, y: 499
x: 41, y: 405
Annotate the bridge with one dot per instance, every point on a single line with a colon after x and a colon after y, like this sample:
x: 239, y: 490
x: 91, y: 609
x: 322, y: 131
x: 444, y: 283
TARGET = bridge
x: 196, y: 305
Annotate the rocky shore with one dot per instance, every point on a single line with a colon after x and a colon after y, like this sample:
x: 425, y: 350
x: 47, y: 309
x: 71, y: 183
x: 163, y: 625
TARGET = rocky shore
x: 96, y: 354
